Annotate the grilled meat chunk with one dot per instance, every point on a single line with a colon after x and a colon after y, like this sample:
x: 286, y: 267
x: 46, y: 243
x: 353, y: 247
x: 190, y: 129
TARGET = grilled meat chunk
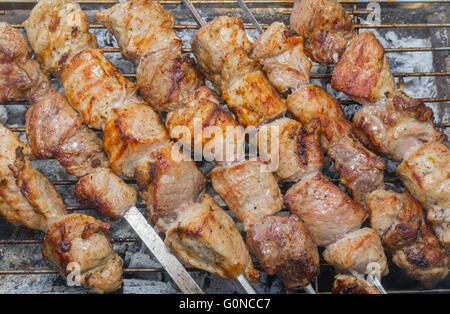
x: 348, y: 284
x: 399, y: 220
x: 249, y: 189
x: 284, y: 247
x: 281, y: 53
x: 205, y: 236
x: 77, y: 240
x: 358, y: 251
x: 327, y: 212
x: 294, y: 150
x: 57, y: 30
x: 325, y: 26
x: 426, y: 174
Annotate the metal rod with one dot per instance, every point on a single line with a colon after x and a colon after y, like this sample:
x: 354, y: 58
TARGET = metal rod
x: 310, y: 290
x: 247, y: 11
x: 232, y: 1
x: 246, y: 285
x: 194, y: 12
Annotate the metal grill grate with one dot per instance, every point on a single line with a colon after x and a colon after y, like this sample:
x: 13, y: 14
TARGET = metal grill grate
x: 14, y: 11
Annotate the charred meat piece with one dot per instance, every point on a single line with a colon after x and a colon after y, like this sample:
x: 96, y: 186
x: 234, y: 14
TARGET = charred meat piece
x: 348, y: 284
x: 281, y: 53
x: 325, y: 26
x: 249, y: 189
x: 284, y: 247
x: 328, y: 213
x: 77, y: 240
x: 360, y: 251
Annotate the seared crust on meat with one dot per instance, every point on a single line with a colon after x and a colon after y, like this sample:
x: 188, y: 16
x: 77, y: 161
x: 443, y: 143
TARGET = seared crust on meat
x: 249, y: 189
x: 205, y: 236
x: 326, y: 27
x: 363, y: 72
x: 77, y: 240
x: 284, y: 247
x: 105, y: 190
x: 327, y: 212
x: 57, y: 30
x: 348, y: 284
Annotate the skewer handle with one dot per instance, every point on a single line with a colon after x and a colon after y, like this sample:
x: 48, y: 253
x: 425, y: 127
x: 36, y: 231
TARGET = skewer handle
x: 309, y: 289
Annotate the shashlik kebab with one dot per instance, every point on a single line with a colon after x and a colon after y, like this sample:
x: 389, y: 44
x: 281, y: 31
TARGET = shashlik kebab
x: 136, y: 142
x: 396, y: 126
x: 281, y: 244
x: 54, y: 129
x: 221, y: 48
x: 27, y: 197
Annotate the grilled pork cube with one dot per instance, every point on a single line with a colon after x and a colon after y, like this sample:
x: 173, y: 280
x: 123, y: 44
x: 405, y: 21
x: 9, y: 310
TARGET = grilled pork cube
x: 167, y: 179
x: 363, y: 71
x: 105, y: 190
x: 94, y: 87
x: 57, y: 30
x: 281, y: 53
x: 360, y: 251
x: 221, y: 137
x: 253, y: 100
x: 249, y: 189
x: 284, y: 247
x: 77, y: 240
x: 396, y: 126
x: 205, y: 236
x: 325, y: 26
x: 131, y: 134
x: 348, y: 284
x: 26, y: 196
x: 426, y: 174
x: 295, y: 148
x: 328, y: 213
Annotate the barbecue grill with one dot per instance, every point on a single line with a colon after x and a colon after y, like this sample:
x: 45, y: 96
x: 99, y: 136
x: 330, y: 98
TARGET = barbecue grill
x: 415, y: 34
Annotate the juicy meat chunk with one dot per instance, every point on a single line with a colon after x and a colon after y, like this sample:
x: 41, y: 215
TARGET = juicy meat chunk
x: 57, y: 30
x: 166, y: 180
x: 81, y: 240
x: 426, y: 174
x: 131, y: 134
x: 294, y: 150
x: 348, y: 284
x: 360, y: 251
x: 249, y: 189
x: 327, y: 211
x: 284, y: 247
x: 396, y: 126
x: 326, y: 27
x: 205, y: 236
x: 105, y: 190
x: 281, y: 53
x: 221, y: 140
x: 363, y: 71
x: 94, y: 87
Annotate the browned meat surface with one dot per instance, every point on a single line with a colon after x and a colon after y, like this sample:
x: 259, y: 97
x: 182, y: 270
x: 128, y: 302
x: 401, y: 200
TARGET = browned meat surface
x: 281, y: 54
x: 82, y: 240
x: 360, y: 251
x: 284, y: 247
x: 327, y: 212
x: 203, y: 112
x: 348, y: 284
x: 426, y: 174
x: 205, y: 236
x: 249, y: 189
x: 57, y: 30
x: 104, y: 189
x: 26, y: 196
x: 131, y: 134
x: 399, y: 220
x: 325, y: 26
x: 293, y: 150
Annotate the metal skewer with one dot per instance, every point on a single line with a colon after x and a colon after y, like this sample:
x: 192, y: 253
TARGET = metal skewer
x: 258, y: 27
x: 243, y: 281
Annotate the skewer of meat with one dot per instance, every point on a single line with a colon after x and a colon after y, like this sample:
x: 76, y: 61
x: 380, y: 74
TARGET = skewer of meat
x: 400, y: 128
x: 27, y: 197
x: 221, y: 48
x: 137, y: 143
